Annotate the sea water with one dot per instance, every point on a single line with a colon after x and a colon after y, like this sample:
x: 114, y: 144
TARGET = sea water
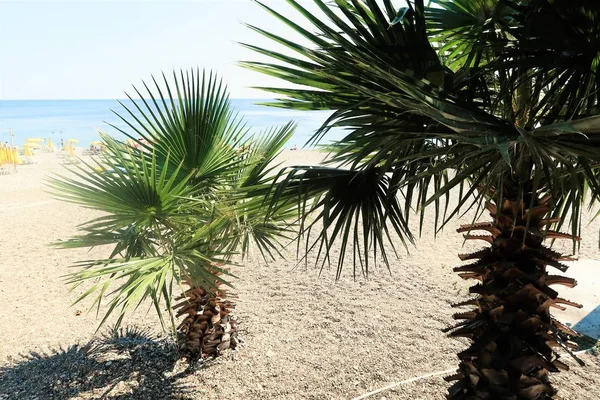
x: 83, y: 119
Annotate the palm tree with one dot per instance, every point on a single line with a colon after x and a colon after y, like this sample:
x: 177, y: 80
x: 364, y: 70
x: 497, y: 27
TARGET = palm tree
x: 176, y: 208
x: 496, y: 101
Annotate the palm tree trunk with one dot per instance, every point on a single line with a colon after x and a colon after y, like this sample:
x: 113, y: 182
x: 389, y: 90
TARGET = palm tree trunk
x: 512, y: 332
x: 208, y: 327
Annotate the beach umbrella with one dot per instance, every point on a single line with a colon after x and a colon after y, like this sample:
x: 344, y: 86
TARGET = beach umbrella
x: 27, y: 152
x: 50, y: 145
x: 15, y: 157
x: 34, y: 143
x: 70, y: 151
x: 72, y: 141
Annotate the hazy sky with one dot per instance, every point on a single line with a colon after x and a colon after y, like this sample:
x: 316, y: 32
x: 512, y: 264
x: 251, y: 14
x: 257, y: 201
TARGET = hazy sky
x: 98, y: 49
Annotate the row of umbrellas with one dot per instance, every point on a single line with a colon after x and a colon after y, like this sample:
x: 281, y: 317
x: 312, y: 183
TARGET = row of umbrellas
x: 35, y: 143
x: 9, y: 156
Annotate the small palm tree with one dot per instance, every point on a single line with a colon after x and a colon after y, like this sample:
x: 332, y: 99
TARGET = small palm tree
x: 177, y: 204
x: 498, y: 102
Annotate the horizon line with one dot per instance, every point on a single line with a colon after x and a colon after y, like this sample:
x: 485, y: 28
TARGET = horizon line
x: 125, y: 98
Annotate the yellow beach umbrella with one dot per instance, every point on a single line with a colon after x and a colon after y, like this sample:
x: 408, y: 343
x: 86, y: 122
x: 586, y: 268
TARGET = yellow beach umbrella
x: 3, y: 155
x: 50, y: 145
x: 34, y: 140
x: 15, y: 157
x: 70, y: 151
x: 72, y: 141
x: 33, y: 145
x: 8, y: 157
x: 97, y: 143
x: 27, y: 152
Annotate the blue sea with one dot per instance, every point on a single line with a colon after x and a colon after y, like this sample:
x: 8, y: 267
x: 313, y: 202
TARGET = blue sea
x: 83, y: 119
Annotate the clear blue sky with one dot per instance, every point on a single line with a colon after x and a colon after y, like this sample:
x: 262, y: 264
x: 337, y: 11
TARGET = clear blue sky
x: 98, y: 49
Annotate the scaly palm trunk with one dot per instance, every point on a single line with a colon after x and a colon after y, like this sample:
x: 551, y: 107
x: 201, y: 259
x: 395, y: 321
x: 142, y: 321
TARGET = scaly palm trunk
x: 208, y: 327
x: 512, y: 331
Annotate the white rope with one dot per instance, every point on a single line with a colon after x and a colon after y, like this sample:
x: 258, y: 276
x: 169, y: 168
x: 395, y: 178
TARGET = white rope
x: 393, y: 385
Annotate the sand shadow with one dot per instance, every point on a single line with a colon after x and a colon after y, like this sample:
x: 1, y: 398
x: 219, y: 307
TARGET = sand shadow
x: 124, y: 364
x: 590, y: 324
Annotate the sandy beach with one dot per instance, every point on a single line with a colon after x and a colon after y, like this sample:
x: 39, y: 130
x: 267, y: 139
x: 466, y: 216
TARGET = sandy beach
x: 303, y: 336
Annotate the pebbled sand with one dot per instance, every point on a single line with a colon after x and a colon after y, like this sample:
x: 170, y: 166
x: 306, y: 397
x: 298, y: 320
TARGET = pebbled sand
x: 304, y: 336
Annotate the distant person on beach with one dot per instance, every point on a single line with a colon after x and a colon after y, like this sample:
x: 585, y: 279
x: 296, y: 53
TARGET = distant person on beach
x: 294, y: 148
x: 62, y: 144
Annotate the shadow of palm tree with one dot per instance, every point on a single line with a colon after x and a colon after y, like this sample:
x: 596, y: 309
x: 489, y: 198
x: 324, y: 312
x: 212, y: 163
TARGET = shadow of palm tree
x: 124, y: 364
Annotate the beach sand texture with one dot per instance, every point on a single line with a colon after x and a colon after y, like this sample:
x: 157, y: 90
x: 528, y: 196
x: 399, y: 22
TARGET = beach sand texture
x: 303, y: 336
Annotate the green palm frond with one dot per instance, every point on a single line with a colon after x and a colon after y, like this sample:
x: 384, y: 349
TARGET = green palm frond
x: 134, y: 191
x: 191, y: 122
x: 127, y: 282
x: 548, y: 51
x: 356, y: 207
x: 243, y: 205
x: 469, y: 33
x: 364, y: 28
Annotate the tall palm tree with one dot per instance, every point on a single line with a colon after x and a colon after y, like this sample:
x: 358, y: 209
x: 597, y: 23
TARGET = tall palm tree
x: 496, y: 101
x: 176, y: 207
